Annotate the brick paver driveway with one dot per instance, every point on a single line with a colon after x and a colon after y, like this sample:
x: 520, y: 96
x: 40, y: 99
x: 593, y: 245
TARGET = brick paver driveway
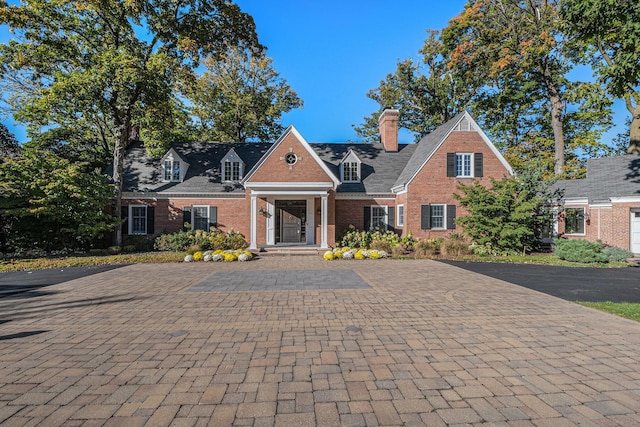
x: 296, y: 341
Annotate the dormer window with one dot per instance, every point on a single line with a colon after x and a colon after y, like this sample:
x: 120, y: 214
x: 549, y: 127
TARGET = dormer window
x: 350, y: 168
x: 171, y: 169
x: 231, y: 171
x: 232, y: 167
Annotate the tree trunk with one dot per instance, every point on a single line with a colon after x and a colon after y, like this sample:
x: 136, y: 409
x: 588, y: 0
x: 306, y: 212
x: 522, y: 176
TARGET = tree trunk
x: 634, y: 132
x: 118, y: 167
x: 558, y: 133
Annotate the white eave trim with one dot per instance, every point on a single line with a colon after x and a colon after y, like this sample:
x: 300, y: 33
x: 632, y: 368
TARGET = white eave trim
x: 576, y: 201
x: 625, y: 199
x: 153, y: 195
x: 287, y: 185
x: 307, y: 147
x: 360, y: 196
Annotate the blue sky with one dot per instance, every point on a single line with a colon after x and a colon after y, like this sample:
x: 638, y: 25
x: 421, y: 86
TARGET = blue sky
x: 333, y: 52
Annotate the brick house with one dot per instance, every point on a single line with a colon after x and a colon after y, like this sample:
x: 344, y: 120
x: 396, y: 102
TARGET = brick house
x: 605, y: 205
x: 294, y: 192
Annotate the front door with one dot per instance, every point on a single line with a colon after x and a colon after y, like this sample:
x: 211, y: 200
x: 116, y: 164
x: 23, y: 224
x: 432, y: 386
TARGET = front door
x: 291, y: 221
x: 635, y: 232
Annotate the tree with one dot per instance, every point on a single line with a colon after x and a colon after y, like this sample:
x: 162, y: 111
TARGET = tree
x: 9, y: 147
x: 109, y: 65
x: 611, y: 29
x: 240, y: 97
x: 50, y: 203
x: 516, y: 47
x: 509, y: 216
x: 426, y: 92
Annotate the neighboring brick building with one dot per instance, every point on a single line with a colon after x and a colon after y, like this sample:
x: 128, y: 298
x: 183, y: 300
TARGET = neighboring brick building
x: 293, y: 192
x: 605, y: 205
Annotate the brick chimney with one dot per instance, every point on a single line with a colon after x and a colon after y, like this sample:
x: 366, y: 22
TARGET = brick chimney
x: 388, y: 122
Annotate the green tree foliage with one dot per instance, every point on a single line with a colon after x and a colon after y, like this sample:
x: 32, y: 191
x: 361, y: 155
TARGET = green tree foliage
x: 509, y: 216
x: 427, y: 92
x: 9, y: 147
x: 517, y: 48
x: 50, y: 203
x: 105, y: 66
x: 240, y: 97
x: 611, y: 29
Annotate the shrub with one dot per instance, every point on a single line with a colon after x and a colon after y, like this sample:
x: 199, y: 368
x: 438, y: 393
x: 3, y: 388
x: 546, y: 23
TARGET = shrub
x: 616, y: 254
x: 381, y: 245
x: 114, y: 250
x: 398, y: 250
x: 427, y: 247
x: 455, y: 248
x: 579, y: 250
x: 130, y: 248
x: 198, y: 240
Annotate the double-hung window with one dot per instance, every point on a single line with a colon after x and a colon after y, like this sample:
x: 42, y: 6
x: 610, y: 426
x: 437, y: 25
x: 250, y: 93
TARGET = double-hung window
x: 350, y: 171
x: 200, y: 218
x: 231, y: 171
x: 138, y: 219
x: 400, y: 221
x: 574, y: 220
x: 438, y: 217
x: 463, y: 165
x: 171, y: 170
x: 379, y: 217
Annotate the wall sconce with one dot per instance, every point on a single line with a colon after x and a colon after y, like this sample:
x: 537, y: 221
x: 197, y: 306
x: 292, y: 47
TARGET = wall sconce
x: 319, y: 211
x: 262, y: 212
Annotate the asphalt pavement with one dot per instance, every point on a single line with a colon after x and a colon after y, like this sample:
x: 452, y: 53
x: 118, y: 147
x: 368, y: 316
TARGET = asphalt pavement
x: 569, y: 283
x: 32, y: 281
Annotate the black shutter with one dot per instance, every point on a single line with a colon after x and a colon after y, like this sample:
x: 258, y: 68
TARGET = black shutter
x: 150, y: 220
x: 477, y: 165
x: 425, y: 217
x: 451, y: 217
x: 124, y: 215
x: 186, y: 218
x: 451, y: 164
x: 213, y: 216
x: 367, y: 218
x: 391, y: 218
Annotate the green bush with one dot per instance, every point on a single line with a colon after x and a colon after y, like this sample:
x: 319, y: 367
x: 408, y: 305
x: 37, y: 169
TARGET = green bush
x: 198, y: 240
x: 616, y: 254
x: 578, y: 250
x: 353, y: 238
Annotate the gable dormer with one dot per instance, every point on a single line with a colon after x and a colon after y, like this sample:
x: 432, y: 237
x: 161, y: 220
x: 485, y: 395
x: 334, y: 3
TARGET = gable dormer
x: 231, y: 167
x: 350, y: 167
x: 174, y: 168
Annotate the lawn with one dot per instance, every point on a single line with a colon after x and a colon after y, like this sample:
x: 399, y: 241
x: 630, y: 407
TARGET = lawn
x: 627, y: 310
x: 83, y: 261
x: 544, y: 259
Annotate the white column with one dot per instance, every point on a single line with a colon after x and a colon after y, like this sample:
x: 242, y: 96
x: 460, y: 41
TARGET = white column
x: 271, y: 222
x: 254, y: 214
x: 325, y: 221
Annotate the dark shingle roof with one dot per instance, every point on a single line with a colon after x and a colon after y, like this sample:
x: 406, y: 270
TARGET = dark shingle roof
x: 606, y: 177
x: 379, y: 169
x: 143, y: 173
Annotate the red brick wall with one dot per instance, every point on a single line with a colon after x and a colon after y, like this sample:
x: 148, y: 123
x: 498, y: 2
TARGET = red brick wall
x: 168, y: 218
x: 276, y: 170
x: 611, y: 225
x: 351, y: 212
x: 431, y: 184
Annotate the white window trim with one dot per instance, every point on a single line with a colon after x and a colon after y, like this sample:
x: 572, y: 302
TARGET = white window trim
x: 444, y: 216
x: 342, y: 174
x: 471, y: 165
x: 130, y: 220
x: 386, y: 216
x: 226, y: 178
x: 193, y: 216
x: 400, y: 218
x: 164, y: 169
x: 584, y: 221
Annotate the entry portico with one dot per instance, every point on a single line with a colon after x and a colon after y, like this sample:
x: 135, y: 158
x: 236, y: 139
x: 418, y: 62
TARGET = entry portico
x: 290, y: 214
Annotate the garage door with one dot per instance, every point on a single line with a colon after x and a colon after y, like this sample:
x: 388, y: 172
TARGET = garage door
x: 635, y: 232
